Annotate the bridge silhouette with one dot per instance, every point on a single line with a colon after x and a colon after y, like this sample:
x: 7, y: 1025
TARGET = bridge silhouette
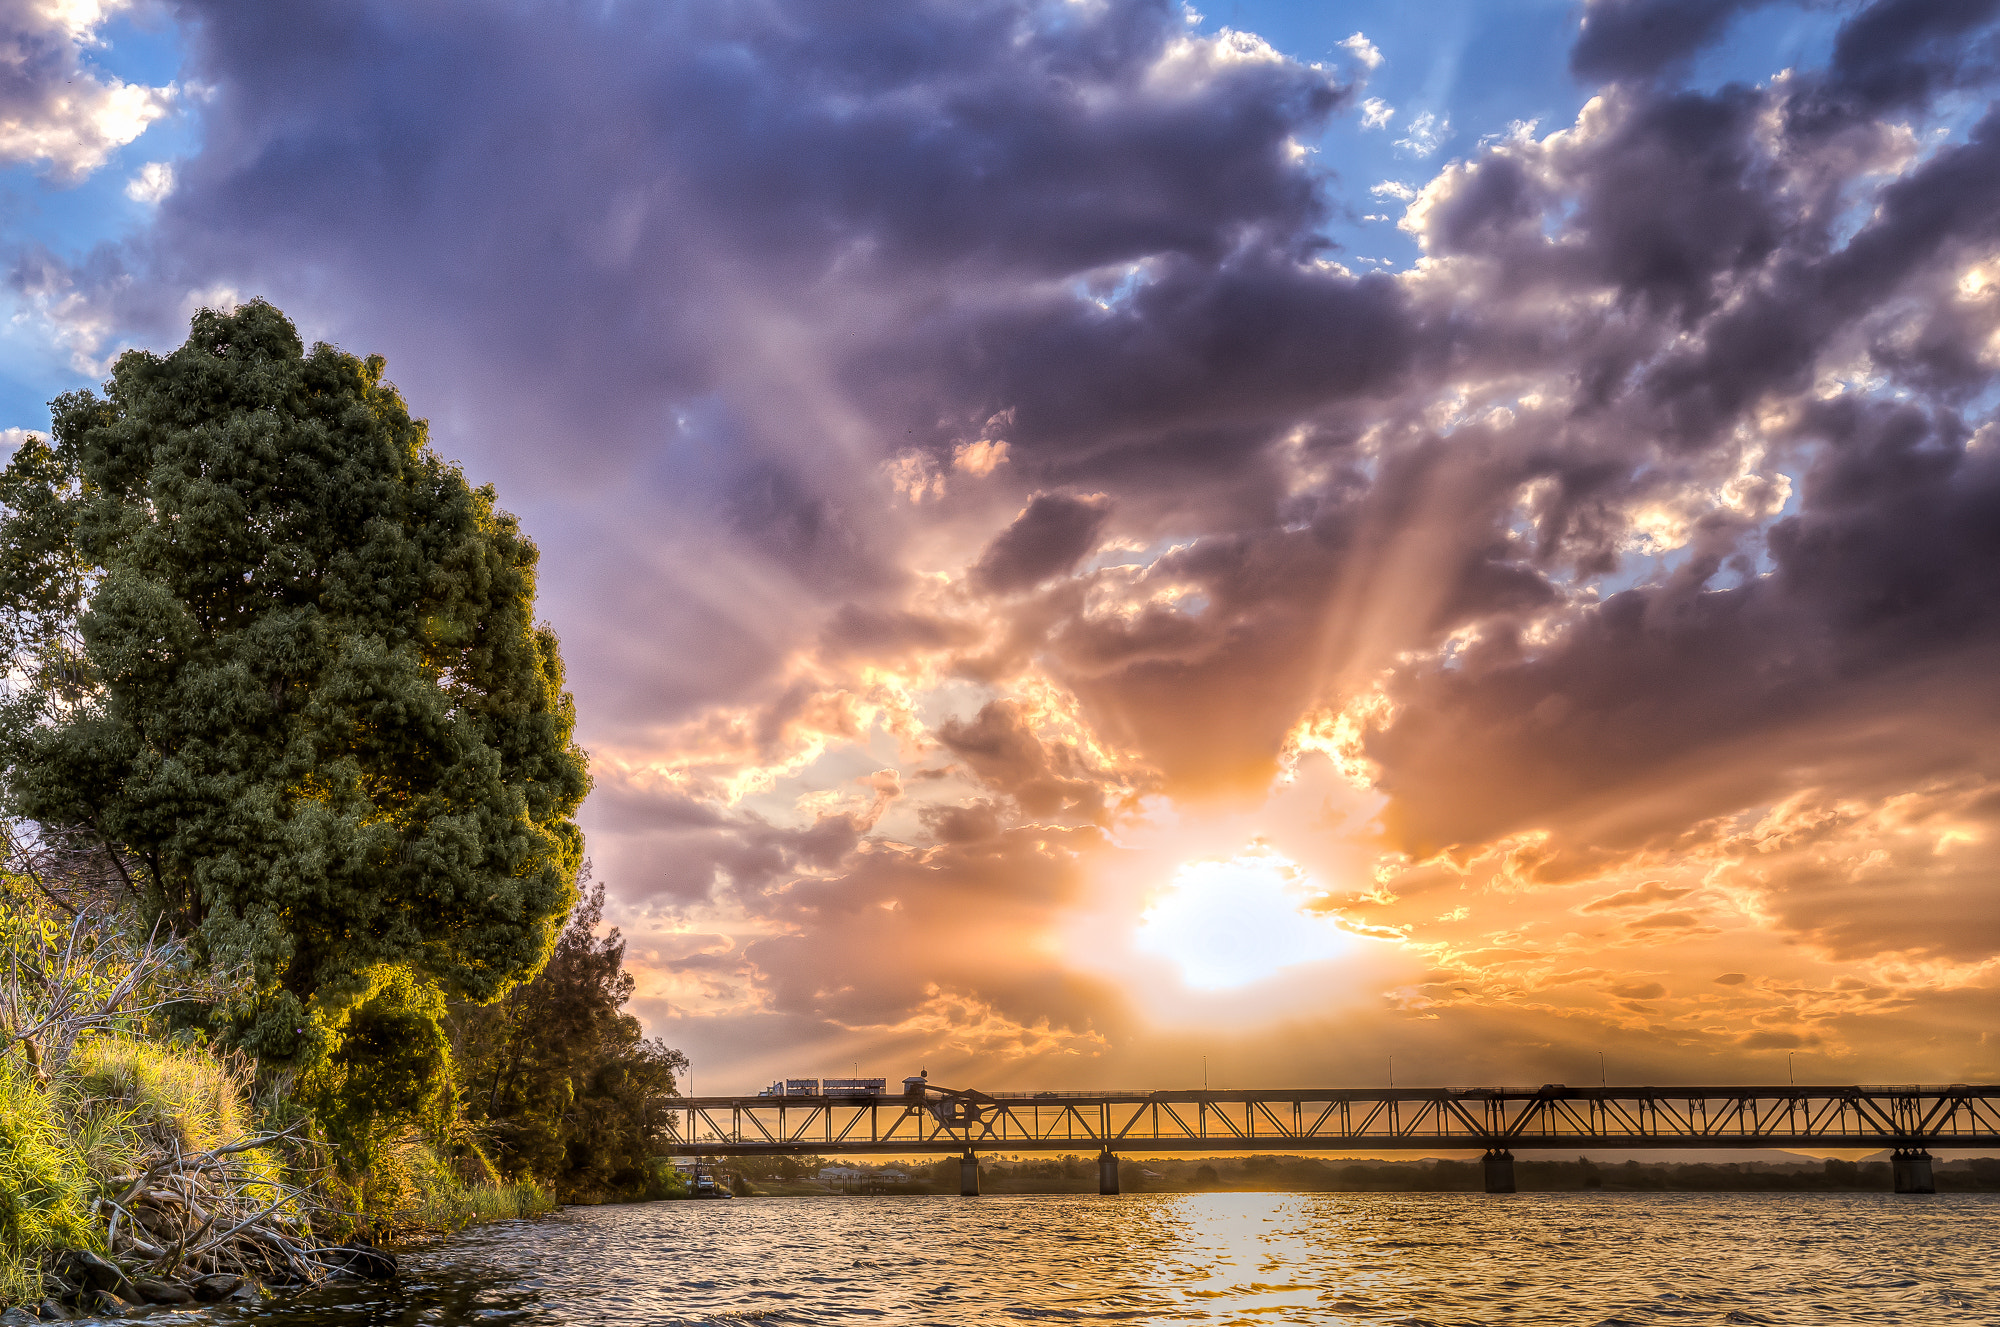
x: 1906, y: 1119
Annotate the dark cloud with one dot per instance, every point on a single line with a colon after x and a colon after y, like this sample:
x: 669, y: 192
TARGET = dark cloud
x: 1879, y: 583
x: 676, y: 849
x: 1050, y: 536
x: 1639, y: 38
x: 1216, y: 353
x: 1899, y: 54
x: 1858, y: 665
x: 883, y: 941
x: 692, y: 273
x: 1890, y: 55
x: 962, y: 823
x: 1004, y: 751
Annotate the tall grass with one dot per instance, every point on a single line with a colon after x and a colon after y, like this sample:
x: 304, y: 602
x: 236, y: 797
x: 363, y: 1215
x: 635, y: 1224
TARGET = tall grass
x: 45, y: 1187
x: 410, y: 1188
x: 136, y: 1097
x: 458, y: 1206
x: 181, y: 1099
x: 117, y: 1103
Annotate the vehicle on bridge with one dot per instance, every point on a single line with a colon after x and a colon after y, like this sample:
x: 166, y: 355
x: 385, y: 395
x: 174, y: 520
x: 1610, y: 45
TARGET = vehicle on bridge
x: 845, y: 1088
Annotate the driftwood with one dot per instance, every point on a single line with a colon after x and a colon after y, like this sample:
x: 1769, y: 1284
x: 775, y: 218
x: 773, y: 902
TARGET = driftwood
x: 205, y: 1226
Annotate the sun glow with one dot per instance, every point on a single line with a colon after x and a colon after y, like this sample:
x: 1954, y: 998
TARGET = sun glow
x: 1232, y: 922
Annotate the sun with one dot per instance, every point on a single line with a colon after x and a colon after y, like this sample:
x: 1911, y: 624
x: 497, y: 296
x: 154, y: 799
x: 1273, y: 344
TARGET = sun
x: 1230, y: 922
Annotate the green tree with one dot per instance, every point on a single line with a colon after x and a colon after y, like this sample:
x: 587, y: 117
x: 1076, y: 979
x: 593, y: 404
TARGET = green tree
x: 43, y: 579
x: 558, y: 1078
x: 314, y: 711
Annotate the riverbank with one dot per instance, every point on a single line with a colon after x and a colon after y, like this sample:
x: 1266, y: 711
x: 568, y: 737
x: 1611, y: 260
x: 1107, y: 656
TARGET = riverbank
x: 188, y: 1171
x: 135, y: 1174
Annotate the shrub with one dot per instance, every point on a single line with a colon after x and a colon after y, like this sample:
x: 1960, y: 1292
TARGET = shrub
x: 409, y: 1187
x: 389, y: 1072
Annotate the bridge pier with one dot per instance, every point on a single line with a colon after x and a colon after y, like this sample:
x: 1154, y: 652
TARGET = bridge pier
x: 1107, y: 1173
x: 1499, y: 1167
x: 968, y: 1175
x: 1912, y: 1170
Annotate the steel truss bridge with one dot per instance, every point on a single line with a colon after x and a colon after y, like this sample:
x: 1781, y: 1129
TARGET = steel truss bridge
x: 1908, y: 1119
x: 1321, y: 1120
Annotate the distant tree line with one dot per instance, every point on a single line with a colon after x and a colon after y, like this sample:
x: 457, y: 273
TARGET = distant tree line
x: 1293, y: 1174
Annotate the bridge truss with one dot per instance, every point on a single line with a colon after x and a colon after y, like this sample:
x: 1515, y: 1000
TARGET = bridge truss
x: 1319, y: 1120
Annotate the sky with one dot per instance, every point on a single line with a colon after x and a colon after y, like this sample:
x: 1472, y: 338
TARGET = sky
x: 1102, y: 542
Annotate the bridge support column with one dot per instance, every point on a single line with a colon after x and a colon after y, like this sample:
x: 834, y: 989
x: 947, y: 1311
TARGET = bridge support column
x: 1912, y: 1169
x: 1499, y: 1172
x: 1107, y: 1173
x: 968, y: 1176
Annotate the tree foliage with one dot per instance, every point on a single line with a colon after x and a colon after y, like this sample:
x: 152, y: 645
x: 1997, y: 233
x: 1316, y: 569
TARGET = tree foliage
x: 389, y: 1067
x: 558, y: 1078
x: 300, y: 687
x: 43, y: 580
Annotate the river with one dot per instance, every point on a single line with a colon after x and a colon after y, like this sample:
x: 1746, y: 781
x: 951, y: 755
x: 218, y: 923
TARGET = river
x: 1234, y: 1258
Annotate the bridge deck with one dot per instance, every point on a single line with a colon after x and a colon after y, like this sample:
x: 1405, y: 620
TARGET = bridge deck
x: 1323, y: 1119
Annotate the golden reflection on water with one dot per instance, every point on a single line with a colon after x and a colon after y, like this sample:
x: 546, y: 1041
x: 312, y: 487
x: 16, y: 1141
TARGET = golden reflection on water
x: 1241, y: 1254
x: 1416, y: 1260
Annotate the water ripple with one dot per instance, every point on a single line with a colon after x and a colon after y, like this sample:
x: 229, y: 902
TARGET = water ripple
x: 1386, y: 1260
